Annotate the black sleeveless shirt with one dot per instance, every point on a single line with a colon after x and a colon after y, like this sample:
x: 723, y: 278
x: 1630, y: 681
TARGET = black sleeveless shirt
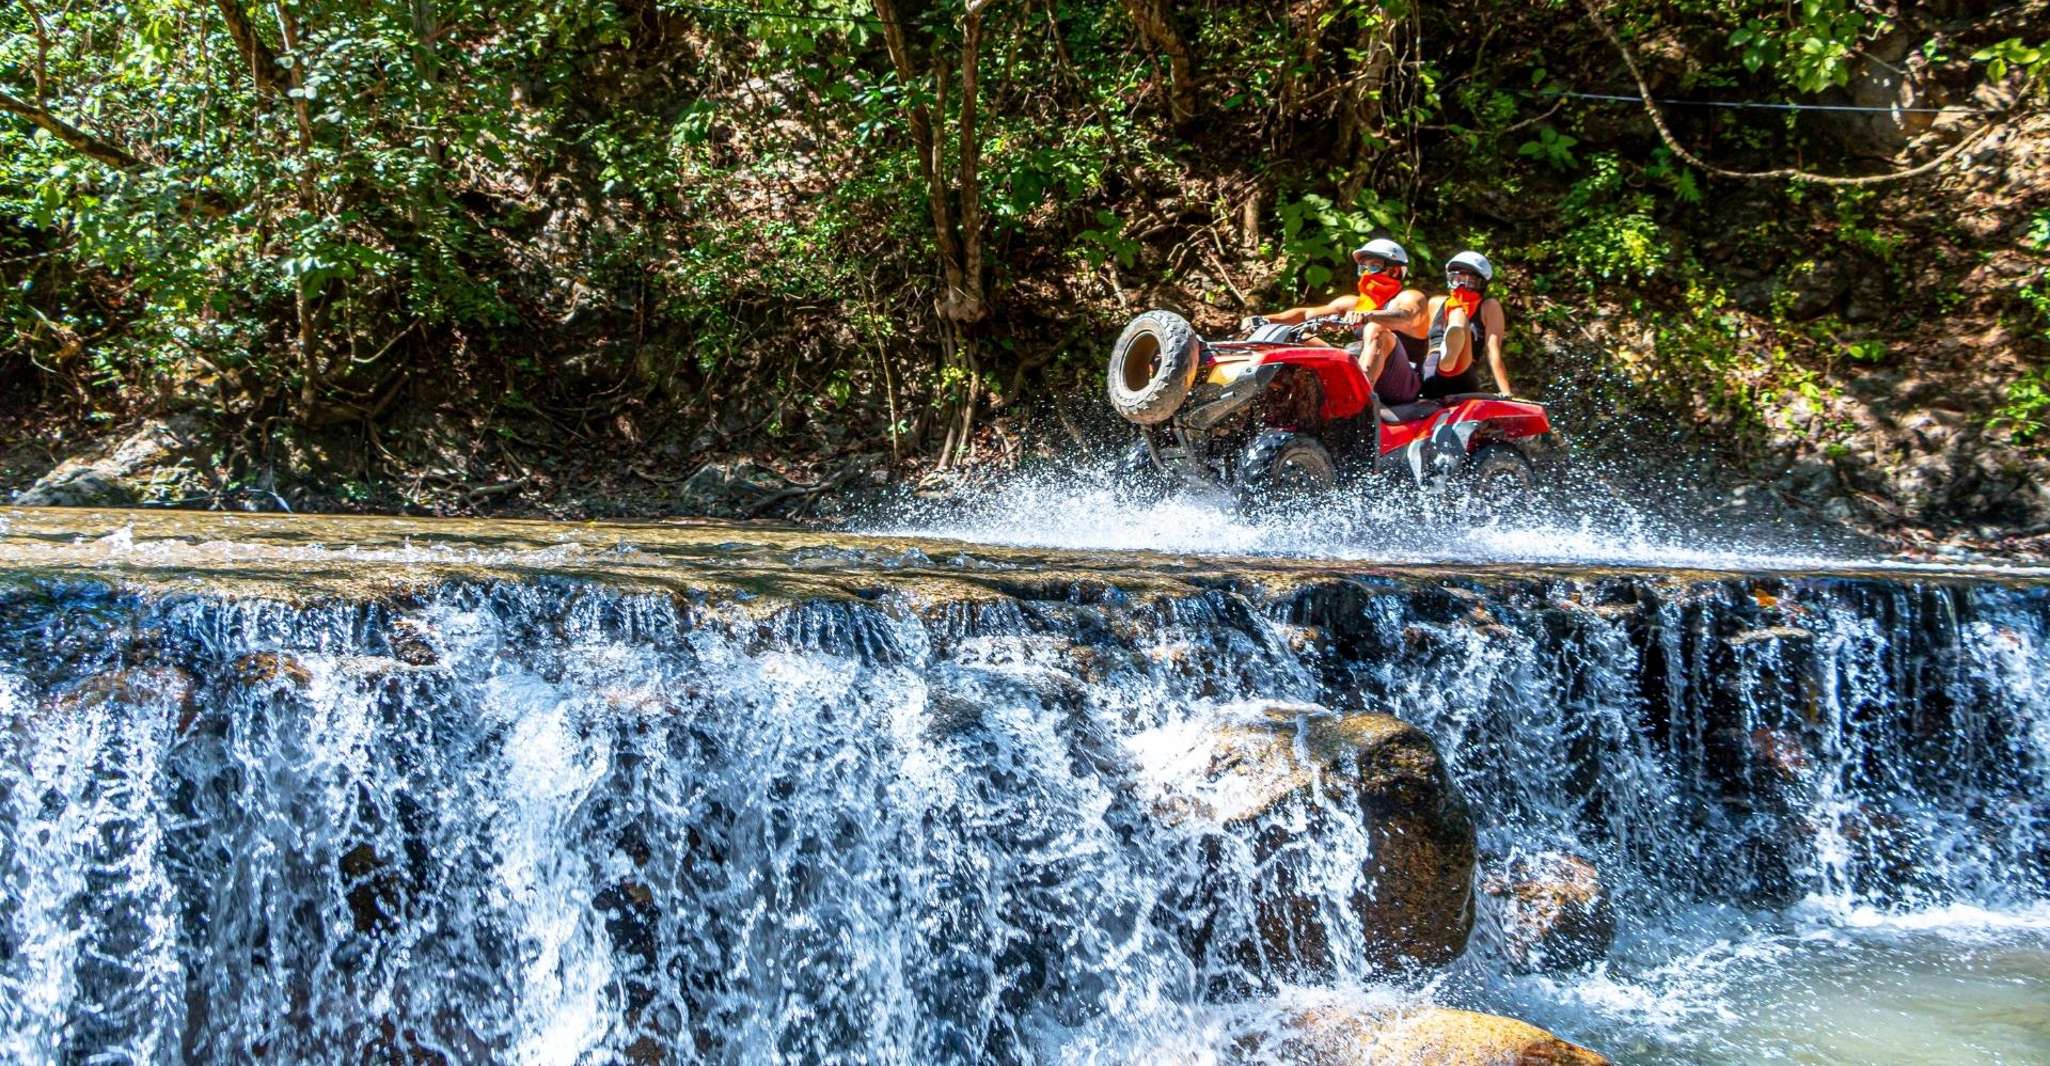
x: 1468, y: 380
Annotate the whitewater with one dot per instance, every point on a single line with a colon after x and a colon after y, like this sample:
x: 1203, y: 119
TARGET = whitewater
x: 303, y: 789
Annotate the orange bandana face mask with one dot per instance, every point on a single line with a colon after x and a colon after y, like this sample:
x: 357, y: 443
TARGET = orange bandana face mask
x: 1378, y: 289
x: 1469, y: 299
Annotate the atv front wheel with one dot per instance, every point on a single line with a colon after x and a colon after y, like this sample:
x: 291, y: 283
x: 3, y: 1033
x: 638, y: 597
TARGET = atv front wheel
x: 1152, y: 367
x: 1137, y: 477
x: 1499, y: 478
x: 1280, y: 467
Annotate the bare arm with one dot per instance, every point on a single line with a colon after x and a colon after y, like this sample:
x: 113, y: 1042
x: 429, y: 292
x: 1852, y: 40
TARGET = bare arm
x: 1407, y: 306
x: 1295, y: 315
x: 1497, y: 324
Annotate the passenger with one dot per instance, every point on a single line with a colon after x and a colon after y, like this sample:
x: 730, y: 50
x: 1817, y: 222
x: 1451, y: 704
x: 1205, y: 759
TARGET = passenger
x: 1389, y: 314
x: 1464, y: 321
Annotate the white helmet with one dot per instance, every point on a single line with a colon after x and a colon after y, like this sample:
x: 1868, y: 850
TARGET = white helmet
x: 1381, y: 248
x: 1473, y: 261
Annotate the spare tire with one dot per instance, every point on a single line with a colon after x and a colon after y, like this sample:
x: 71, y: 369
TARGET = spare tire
x: 1153, y: 367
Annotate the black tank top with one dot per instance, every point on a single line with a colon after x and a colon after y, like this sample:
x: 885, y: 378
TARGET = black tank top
x: 1468, y: 380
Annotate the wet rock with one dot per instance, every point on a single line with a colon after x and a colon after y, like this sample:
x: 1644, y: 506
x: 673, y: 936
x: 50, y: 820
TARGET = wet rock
x: 1779, y: 751
x: 411, y: 643
x: 371, y: 888
x: 1769, y: 635
x: 1274, y: 773
x: 166, y: 684
x: 137, y: 686
x: 1307, y: 640
x: 1432, y: 1036
x: 266, y: 667
x: 143, y: 467
x: 1556, y: 913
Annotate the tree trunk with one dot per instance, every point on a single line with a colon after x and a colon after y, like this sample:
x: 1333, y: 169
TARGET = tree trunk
x: 1364, y: 121
x: 972, y: 300
x: 263, y: 63
x: 964, y: 296
x: 1290, y: 93
x: 426, y: 27
x: 312, y: 364
x: 1156, y: 28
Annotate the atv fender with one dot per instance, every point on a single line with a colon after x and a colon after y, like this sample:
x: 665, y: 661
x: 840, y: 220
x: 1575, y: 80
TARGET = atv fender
x: 1236, y: 395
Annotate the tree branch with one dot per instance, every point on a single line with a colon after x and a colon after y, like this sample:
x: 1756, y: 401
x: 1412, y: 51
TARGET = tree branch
x: 263, y: 63
x: 42, y: 51
x: 103, y: 150
x: 1658, y: 120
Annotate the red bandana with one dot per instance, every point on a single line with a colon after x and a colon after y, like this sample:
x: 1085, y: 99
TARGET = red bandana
x: 1468, y: 299
x: 1378, y: 289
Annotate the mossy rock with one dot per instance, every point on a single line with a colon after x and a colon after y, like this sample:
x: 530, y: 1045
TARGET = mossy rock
x: 1433, y: 1036
x: 1280, y: 773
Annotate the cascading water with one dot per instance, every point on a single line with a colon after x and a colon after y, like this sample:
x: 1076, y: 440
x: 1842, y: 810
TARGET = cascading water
x: 1826, y: 823
x: 813, y: 802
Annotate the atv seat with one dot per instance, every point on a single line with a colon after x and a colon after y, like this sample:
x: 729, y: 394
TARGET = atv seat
x: 1394, y: 414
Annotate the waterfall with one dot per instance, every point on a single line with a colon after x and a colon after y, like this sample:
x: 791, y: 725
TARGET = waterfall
x: 555, y: 821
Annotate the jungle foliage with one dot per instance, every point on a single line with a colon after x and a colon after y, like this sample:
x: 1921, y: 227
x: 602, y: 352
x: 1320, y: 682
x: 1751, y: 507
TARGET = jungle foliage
x: 885, y: 219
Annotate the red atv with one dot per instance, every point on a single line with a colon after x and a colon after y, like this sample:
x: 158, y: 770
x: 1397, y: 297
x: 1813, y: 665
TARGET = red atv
x: 1268, y: 417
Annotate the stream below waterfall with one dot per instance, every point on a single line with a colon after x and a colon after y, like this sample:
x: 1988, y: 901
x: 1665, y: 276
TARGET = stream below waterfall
x: 326, y: 789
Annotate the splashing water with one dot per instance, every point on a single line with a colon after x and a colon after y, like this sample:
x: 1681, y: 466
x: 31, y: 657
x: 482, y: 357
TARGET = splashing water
x: 1586, y: 520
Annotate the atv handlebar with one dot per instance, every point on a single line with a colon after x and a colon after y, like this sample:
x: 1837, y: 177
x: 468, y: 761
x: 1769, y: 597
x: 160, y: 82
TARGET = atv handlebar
x: 1283, y: 332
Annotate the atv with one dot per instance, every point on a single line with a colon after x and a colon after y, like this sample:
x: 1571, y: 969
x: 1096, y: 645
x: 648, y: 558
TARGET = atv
x: 1268, y: 418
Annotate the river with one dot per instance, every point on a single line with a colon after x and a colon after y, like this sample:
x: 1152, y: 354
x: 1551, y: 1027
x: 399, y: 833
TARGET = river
x: 313, y: 789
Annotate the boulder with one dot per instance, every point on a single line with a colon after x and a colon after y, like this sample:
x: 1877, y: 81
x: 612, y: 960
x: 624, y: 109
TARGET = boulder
x: 1890, y: 76
x: 144, y: 467
x: 1282, y: 773
x: 1556, y: 913
x: 1432, y: 1036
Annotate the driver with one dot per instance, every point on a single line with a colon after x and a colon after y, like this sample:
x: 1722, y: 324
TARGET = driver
x: 1389, y: 314
x: 1464, y: 321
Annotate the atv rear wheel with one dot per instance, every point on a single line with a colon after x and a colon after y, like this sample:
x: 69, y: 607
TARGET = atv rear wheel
x: 1137, y: 476
x: 1152, y: 367
x: 1499, y: 478
x: 1281, y: 466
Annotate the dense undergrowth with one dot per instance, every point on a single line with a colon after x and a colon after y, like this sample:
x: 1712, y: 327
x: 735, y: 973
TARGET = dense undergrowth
x: 389, y: 253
